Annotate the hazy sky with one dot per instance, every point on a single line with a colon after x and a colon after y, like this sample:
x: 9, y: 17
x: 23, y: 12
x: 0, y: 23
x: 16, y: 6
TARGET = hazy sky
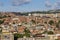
x: 28, y: 5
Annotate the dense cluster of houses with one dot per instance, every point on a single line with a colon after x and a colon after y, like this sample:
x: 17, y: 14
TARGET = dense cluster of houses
x: 37, y: 24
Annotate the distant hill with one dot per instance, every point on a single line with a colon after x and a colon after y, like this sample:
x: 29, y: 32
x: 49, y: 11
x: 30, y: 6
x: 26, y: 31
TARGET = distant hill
x: 33, y: 12
x: 56, y: 11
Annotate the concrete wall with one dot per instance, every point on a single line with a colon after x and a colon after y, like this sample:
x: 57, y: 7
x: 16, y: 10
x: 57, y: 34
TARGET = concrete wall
x: 7, y: 36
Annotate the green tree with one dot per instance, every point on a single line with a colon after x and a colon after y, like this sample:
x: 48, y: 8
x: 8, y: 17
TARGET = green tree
x: 0, y: 29
x: 33, y: 21
x: 56, y: 39
x: 51, y: 22
x: 50, y: 32
x: 18, y: 35
x: 44, y: 32
x: 1, y: 21
x: 27, y: 32
x: 58, y: 24
x: 3, y: 16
